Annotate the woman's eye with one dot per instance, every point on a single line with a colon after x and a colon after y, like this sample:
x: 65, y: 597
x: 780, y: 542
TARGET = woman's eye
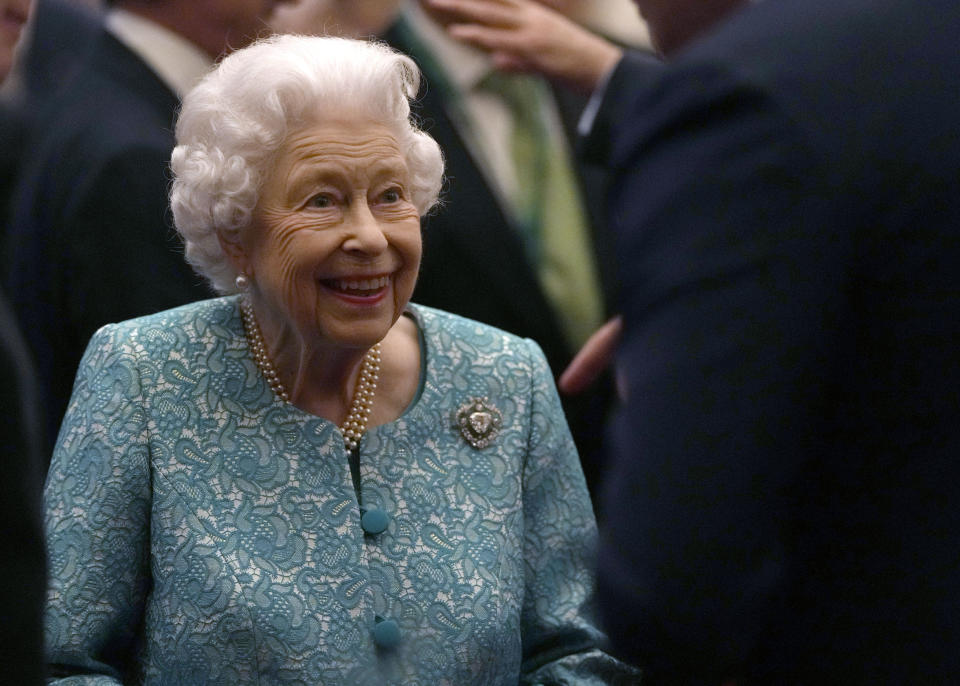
x: 322, y: 200
x: 391, y: 195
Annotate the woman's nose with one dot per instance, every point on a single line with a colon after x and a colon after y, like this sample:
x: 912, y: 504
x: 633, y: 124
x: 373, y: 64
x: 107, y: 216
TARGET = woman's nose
x: 364, y: 233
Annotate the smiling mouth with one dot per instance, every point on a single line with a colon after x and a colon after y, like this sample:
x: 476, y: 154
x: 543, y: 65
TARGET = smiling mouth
x: 360, y: 287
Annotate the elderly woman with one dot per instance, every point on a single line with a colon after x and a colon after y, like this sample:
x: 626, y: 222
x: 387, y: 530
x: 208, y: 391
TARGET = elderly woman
x: 312, y: 480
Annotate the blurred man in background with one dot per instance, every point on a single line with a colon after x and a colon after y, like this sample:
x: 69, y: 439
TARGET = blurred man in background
x: 780, y: 507
x: 91, y: 241
x: 22, y: 558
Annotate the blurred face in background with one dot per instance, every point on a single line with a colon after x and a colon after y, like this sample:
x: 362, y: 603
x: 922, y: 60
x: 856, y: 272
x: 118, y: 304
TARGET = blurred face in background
x: 349, y: 18
x: 243, y: 20
x: 13, y: 17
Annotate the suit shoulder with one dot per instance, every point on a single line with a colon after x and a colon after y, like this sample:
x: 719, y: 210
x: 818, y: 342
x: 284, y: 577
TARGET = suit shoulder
x: 111, y: 100
x: 104, y: 122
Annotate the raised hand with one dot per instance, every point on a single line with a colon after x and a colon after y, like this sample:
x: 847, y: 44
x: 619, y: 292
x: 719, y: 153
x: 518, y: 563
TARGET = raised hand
x: 530, y: 36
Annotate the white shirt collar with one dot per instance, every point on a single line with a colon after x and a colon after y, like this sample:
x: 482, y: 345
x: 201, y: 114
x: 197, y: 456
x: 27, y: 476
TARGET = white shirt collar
x: 178, y: 62
x: 469, y: 64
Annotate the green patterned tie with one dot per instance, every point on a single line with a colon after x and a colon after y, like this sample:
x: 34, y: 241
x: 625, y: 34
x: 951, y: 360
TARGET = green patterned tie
x: 550, y: 212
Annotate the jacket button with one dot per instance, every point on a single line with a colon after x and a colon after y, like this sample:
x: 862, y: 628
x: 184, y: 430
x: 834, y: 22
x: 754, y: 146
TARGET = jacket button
x: 386, y: 634
x: 374, y: 521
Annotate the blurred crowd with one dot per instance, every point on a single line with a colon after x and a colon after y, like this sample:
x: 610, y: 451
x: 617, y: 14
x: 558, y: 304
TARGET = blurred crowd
x: 742, y: 215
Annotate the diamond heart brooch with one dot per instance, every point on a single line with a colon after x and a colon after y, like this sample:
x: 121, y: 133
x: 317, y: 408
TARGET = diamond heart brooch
x: 479, y: 422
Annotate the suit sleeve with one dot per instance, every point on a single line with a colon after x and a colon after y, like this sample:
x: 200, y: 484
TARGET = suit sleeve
x: 561, y: 642
x: 732, y: 280
x: 97, y: 505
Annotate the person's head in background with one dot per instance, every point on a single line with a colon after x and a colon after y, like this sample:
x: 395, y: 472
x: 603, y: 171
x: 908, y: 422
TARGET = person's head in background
x: 347, y: 18
x: 216, y: 26
x: 674, y: 23
x: 13, y: 17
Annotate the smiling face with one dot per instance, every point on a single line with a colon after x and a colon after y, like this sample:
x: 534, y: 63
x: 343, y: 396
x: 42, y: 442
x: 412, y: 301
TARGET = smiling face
x: 334, y: 246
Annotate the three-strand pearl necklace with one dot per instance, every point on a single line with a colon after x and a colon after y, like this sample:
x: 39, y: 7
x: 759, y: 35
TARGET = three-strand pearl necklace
x: 361, y: 406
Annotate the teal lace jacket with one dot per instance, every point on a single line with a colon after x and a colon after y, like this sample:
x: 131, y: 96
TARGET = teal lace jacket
x: 202, y: 531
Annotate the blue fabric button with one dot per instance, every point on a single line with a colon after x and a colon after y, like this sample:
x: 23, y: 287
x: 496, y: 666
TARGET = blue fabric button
x: 386, y: 634
x: 374, y: 521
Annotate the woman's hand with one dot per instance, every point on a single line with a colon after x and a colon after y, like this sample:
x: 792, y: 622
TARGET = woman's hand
x: 595, y: 356
x: 527, y: 36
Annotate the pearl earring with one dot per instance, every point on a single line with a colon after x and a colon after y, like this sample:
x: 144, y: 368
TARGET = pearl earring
x: 242, y: 282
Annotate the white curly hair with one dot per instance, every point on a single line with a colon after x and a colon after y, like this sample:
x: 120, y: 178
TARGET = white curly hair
x: 236, y: 119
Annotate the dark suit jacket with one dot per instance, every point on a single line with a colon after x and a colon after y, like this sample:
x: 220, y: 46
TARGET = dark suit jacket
x: 13, y: 125
x: 92, y: 241
x: 782, y: 504
x: 474, y: 263
x: 23, y: 568
x: 62, y: 35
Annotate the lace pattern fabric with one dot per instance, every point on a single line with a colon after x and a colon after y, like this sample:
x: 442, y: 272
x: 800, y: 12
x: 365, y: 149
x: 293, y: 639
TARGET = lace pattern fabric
x: 202, y: 531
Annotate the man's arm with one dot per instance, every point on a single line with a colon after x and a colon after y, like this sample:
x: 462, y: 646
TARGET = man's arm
x: 730, y: 270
